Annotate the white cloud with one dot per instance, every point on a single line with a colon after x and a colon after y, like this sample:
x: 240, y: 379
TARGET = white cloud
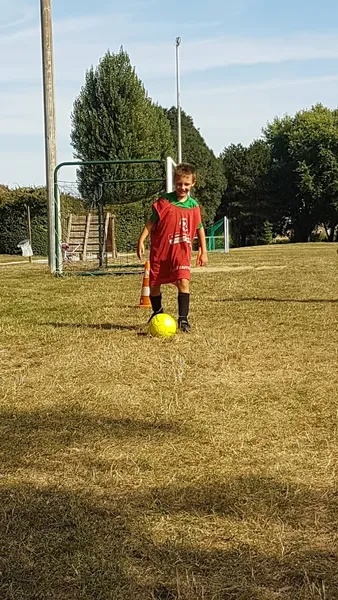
x: 28, y: 168
x: 207, y: 54
x: 237, y: 114
x: 21, y: 113
x: 269, y: 84
x: 226, y: 113
x: 14, y: 14
x: 81, y: 42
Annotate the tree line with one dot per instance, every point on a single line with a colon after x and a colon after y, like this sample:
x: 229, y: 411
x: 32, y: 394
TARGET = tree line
x: 283, y: 184
x: 287, y: 181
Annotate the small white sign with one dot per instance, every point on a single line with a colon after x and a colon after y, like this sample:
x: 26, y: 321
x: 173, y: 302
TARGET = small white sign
x: 26, y: 248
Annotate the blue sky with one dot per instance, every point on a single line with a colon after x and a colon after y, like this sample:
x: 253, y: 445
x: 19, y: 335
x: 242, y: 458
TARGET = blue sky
x: 242, y: 63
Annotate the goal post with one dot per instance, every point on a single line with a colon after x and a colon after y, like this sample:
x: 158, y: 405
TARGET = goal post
x: 226, y: 236
x: 218, y: 236
x: 170, y: 168
x: 167, y: 167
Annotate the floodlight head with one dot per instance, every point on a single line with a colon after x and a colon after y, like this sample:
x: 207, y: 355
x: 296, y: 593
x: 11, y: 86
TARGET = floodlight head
x: 178, y: 41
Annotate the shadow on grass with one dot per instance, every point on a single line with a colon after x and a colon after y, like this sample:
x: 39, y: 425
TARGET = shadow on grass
x: 301, y: 300
x: 249, y: 498
x: 28, y: 436
x: 59, y: 543
x: 247, y: 574
x: 66, y: 545
x: 106, y: 326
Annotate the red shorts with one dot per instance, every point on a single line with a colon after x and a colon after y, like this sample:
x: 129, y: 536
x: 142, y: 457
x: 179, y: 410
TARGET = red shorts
x: 164, y: 272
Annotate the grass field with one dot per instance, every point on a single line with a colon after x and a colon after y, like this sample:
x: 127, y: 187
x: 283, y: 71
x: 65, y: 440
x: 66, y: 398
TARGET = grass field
x: 198, y: 468
x: 5, y: 258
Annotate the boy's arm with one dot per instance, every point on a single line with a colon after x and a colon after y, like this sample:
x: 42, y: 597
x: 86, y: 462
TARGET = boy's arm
x: 140, y: 244
x: 202, y: 256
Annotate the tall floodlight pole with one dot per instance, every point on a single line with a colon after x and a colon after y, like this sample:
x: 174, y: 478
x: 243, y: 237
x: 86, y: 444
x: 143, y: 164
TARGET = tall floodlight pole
x: 50, y: 121
x: 178, y: 92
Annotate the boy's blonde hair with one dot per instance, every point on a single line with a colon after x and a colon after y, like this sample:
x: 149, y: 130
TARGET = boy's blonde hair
x: 185, y: 169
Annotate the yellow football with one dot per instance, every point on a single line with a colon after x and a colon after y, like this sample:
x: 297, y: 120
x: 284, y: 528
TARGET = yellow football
x: 162, y: 325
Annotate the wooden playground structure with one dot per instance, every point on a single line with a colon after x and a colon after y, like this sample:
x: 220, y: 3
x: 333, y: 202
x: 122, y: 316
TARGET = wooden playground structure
x: 82, y: 236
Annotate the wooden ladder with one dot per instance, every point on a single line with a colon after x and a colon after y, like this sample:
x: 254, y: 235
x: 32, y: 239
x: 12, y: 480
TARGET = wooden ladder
x: 83, y: 235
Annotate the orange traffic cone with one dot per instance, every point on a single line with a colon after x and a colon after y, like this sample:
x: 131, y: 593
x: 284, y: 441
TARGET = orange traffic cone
x: 145, y: 291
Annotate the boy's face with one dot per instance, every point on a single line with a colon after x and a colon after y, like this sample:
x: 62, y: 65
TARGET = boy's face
x: 183, y: 185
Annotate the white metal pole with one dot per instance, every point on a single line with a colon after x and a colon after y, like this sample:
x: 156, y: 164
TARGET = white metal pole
x: 50, y: 121
x: 169, y: 175
x: 226, y: 235
x: 178, y: 93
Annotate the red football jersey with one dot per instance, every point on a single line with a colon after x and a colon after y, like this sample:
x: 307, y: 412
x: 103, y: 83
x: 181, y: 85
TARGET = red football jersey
x: 171, y: 242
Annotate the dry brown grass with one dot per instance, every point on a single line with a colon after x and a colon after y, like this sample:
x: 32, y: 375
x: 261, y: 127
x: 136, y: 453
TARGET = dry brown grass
x: 5, y: 259
x: 12, y: 259
x: 199, y: 468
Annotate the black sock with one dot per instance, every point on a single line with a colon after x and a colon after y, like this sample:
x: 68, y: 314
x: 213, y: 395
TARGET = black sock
x: 183, y: 306
x: 156, y: 303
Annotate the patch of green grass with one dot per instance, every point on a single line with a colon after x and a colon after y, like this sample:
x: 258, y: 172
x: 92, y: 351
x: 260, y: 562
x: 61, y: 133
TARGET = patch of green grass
x: 197, y: 468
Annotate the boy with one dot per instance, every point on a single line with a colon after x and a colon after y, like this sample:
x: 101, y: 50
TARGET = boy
x: 175, y: 219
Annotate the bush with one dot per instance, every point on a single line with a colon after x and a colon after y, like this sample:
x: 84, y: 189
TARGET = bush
x: 130, y: 220
x: 5, y: 194
x: 13, y: 220
x: 318, y: 235
x: 261, y: 235
x: 267, y: 232
x: 281, y: 239
x: 14, y: 213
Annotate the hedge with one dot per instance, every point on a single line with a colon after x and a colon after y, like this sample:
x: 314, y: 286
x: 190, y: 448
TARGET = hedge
x: 13, y: 218
x: 130, y: 220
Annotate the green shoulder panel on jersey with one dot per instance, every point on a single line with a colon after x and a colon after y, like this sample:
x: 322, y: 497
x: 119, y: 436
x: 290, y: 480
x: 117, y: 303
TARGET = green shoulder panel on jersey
x: 172, y: 198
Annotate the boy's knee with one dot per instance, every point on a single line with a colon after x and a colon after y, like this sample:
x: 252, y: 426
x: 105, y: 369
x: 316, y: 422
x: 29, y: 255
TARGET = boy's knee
x: 183, y: 286
x: 155, y: 290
